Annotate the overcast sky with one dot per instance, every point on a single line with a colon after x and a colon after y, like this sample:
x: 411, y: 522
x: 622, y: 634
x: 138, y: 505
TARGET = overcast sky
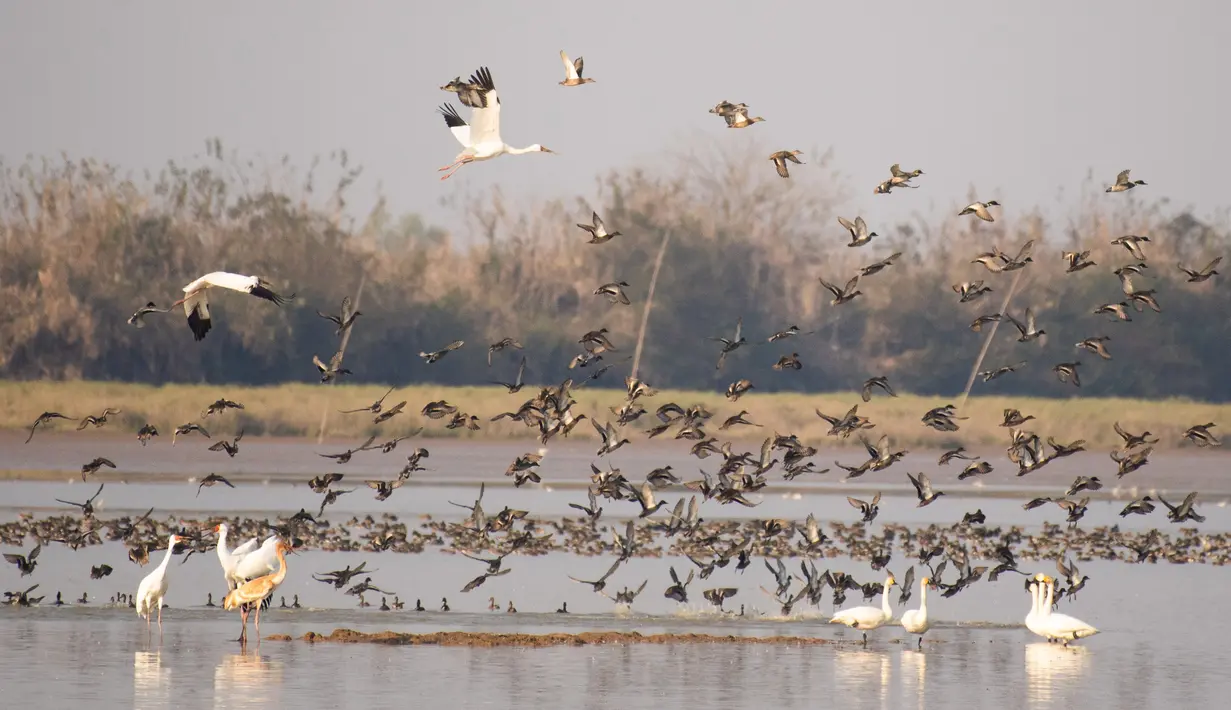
x: 1019, y: 101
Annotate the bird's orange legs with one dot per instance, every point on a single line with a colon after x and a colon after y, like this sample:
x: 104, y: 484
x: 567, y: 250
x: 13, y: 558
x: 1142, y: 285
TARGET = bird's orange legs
x: 455, y: 167
x: 243, y: 615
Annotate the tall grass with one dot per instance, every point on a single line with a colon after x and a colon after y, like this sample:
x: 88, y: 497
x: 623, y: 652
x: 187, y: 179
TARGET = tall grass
x: 294, y: 410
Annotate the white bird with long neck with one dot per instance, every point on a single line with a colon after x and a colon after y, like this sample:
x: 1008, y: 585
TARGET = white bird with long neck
x: 866, y: 618
x: 1061, y: 627
x: 1036, y: 599
x: 230, y: 559
x: 258, y: 562
x: 916, y: 620
x: 196, y: 300
x: 154, y: 587
x: 255, y: 592
x: 481, y: 138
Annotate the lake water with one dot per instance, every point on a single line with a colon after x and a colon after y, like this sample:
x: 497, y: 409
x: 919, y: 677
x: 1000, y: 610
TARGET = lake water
x: 1161, y: 643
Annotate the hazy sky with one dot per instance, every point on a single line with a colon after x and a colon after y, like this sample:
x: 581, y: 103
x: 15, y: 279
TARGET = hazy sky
x: 1017, y: 100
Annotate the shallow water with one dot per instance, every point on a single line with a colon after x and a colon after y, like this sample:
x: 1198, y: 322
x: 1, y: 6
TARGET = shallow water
x: 1154, y: 649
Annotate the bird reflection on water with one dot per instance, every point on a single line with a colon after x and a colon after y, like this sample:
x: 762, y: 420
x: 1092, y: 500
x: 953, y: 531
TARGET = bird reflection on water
x: 151, y: 682
x: 248, y: 680
x: 1053, y: 672
x: 863, y: 673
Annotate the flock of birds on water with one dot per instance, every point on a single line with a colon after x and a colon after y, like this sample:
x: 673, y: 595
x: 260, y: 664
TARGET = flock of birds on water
x: 255, y: 569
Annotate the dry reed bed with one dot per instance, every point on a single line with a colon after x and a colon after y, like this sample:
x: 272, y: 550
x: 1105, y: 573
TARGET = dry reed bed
x: 743, y: 244
x: 294, y: 410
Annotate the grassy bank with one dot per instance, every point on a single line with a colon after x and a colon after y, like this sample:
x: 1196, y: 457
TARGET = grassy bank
x: 295, y: 410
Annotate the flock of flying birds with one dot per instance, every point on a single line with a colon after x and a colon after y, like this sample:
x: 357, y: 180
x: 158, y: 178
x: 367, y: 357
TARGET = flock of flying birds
x: 253, y: 571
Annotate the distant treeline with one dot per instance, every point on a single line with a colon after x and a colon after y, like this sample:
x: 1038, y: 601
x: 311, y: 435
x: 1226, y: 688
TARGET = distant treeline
x: 82, y: 246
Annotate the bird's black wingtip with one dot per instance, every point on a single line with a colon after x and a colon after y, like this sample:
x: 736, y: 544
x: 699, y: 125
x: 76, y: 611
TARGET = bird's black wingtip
x: 199, y: 326
x: 452, y: 119
x: 266, y: 293
x: 483, y: 77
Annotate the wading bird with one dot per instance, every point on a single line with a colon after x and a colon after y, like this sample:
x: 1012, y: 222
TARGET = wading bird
x: 256, y: 591
x: 154, y: 587
x: 481, y: 139
x: 196, y: 297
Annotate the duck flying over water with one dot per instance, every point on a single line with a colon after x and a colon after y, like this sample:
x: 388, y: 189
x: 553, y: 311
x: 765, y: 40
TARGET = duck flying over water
x: 97, y: 421
x: 1201, y: 435
x: 598, y: 230
x: 196, y: 297
x: 345, y: 318
x: 678, y: 590
x: 231, y: 447
x: 432, y: 357
x: 739, y: 118
x: 573, y: 70
x: 970, y: 290
x: 780, y: 160
x: 87, y: 508
x: 1028, y: 330
x: 188, y: 429
x: 1077, y: 261
x: 1095, y: 345
x: 1133, y: 244
x: 879, y: 266
x: 601, y: 583
x: 858, y: 230
x: 611, y: 440
x: 1118, y: 311
x: 219, y: 406
x: 870, y: 383
x: 138, y: 318
x: 868, y: 510
x: 210, y: 480
x: 345, y: 456
x: 724, y: 108
x: 977, y: 324
x: 979, y: 209
x: 500, y: 345
x: 384, y: 489
x: 1124, y: 183
x: 788, y: 362
x: 517, y: 383
x: 896, y: 171
x: 614, y: 292
x: 44, y: 418
x: 95, y: 465
x: 844, y: 294
x: 1203, y: 274
x: 1184, y: 511
x: 374, y: 407
x: 923, y: 488
x: 25, y: 563
x: 729, y: 345
x: 333, y: 370
x: 147, y: 432
x: 472, y: 94
x: 1067, y: 372
x: 989, y: 375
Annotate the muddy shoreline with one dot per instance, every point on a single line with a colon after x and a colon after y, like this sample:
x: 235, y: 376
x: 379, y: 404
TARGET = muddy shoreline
x: 474, y: 639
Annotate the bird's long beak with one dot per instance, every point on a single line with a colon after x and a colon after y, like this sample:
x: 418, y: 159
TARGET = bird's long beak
x: 545, y: 149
